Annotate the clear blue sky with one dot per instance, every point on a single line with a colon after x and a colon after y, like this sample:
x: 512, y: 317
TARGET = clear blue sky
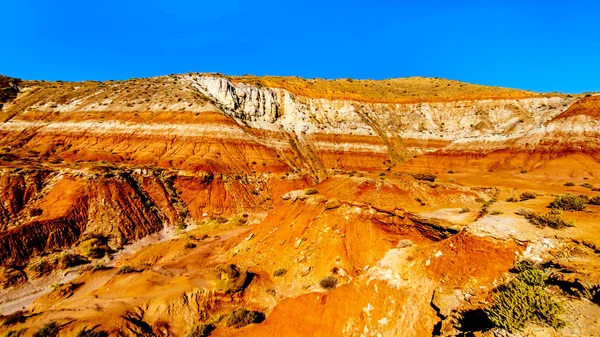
x: 538, y: 45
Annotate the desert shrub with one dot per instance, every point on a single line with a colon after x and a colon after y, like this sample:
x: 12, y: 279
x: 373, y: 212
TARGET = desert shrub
x: 240, y: 220
x: 464, y: 210
x: 527, y: 196
x: 450, y: 172
x: 587, y: 185
x: 9, y: 88
x: 189, y: 245
x: 533, y: 277
x: 98, y: 267
x: 221, y: 219
x: 127, y: 269
x: 524, y: 300
x: 328, y: 282
x: 496, y: 212
x: 425, y: 176
x: 552, y: 219
x: 569, y: 203
x: 311, y: 191
x: 524, y: 265
x: 48, y: 330
x: 242, y: 317
x: 36, y: 212
x: 595, y: 200
x: 280, y: 272
x: 14, y: 318
x: 85, y: 332
x: 569, y: 184
x: 480, y: 200
x: 95, y: 246
x: 202, y: 330
x: 512, y: 199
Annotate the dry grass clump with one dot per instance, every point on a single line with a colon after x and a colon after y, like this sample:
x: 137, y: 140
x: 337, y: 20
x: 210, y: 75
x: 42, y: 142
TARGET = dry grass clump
x: 48, y: 330
x: 93, y: 332
x: 527, y: 196
x: 202, y: 330
x: 569, y: 202
x: 425, y: 176
x: 311, y: 191
x: 595, y: 200
x: 242, y: 317
x: 552, y: 219
x: 328, y: 282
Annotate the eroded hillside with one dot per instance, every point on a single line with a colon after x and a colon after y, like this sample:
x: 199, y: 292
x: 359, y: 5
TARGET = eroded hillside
x: 198, y: 204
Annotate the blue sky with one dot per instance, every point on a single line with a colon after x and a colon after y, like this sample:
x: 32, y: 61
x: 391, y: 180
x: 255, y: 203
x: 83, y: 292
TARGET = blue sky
x: 536, y: 45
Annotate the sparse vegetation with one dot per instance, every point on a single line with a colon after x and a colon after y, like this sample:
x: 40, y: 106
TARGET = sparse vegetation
x: 189, y: 245
x: 425, y: 176
x: 595, y: 200
x: 202, y: 330
x: 48, y: 330
x: 551, y: 219
x: 36, y: 212
x: 311, y: 191
x: 14, y: 318
x: 328, y: 282
x: 464, y: 210
x: 524, y: 300
x: 279, y: 272
x: 587, y: 185
x: 496, y: 212
x: 93, y: 332
x: 52, y: 262
x: 527, y: 196
x: 127, y: 269
x: 242, y: 317
x: 569, y: 203
x: 570, y: 184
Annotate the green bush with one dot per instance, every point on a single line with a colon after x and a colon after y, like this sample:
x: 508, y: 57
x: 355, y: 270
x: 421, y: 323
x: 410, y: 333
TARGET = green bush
x: 525, y: 265
x: 569, y: 203
x: 524, y: 300
x: 202, y: 330
x: 242, y: 317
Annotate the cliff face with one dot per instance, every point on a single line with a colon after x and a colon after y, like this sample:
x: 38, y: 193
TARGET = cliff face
x: 199, y: 126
